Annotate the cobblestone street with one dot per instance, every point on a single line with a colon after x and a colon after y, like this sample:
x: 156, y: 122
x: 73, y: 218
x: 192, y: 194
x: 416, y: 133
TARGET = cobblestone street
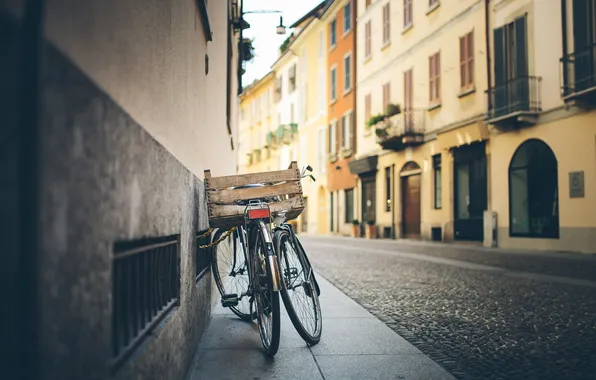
x: 481, y: 314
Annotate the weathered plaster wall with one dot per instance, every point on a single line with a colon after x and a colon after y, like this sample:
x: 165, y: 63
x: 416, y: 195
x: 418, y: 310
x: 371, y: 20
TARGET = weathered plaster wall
x: 105, y: 179
x: 149, y: 55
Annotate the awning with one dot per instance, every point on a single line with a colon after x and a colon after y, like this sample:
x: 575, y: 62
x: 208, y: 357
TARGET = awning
x: 466, y: 135
x: 364, y: 165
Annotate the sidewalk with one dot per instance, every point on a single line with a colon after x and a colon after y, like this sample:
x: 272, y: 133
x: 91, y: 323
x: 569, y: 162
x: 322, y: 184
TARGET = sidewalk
x: 354, y: 345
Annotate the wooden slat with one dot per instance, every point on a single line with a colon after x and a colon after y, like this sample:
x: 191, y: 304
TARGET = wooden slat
x: 218, y: 183
x: 219, y: 211
x: 229, y: 196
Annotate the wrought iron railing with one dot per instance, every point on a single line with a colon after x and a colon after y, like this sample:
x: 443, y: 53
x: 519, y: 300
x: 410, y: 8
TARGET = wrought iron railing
x: 579, y: 71
x: 203, y: 255
x: 521, y: 94
x: 145, y: 287
x: 410, y: 122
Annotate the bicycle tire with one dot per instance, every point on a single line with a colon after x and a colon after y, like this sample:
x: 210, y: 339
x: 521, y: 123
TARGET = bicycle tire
x: 242, y: 310
x: 310, y: 336
x: 270, y: 345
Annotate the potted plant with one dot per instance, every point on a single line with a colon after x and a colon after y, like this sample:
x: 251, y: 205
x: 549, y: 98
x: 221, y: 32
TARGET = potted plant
x: 375, y: 120
x: 248, y: 51
x: 355, y: 228
x: 393, y: 109
x: 371, y: 229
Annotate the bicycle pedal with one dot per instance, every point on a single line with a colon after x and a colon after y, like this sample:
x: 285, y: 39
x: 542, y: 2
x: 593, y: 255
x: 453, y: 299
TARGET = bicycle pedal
x: 228, y: 300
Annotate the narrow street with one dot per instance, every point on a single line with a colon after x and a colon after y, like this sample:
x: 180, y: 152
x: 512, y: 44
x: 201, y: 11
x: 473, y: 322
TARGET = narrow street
x: 479, y: 313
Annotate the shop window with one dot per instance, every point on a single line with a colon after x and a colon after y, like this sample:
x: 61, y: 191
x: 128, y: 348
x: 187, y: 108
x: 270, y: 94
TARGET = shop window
x: 533, y: 191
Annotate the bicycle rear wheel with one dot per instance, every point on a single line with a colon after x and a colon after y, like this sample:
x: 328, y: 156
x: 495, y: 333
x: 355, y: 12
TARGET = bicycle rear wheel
x: 267, y: 300
x: 300, y: 295
x: 230, y: 270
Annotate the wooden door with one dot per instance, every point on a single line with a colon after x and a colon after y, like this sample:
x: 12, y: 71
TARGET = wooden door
x: 411, y: 215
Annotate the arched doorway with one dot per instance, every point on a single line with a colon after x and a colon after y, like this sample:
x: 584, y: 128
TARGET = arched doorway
x: 410, y: 200
x: 322, y: 212
x: 533, y: 191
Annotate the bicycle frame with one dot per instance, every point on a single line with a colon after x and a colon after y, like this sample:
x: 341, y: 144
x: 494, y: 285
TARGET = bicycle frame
x: 262, y: 226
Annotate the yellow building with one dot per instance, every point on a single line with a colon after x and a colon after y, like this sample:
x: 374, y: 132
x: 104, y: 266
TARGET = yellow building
x: 257, y: 127
x: 283, y: 117
x: 417, y: 88
x: 543, y: 124
x: 453, y: 136
x: 309, y: 46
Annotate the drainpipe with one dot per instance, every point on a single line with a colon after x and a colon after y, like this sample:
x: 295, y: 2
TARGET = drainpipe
x: 488, y: 64
x: 29, y: 178
x: 393, y: 201
x: 240, y: 55
x: 564, y: 26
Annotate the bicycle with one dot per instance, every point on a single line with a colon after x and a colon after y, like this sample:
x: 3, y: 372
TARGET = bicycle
x: 297, y: 274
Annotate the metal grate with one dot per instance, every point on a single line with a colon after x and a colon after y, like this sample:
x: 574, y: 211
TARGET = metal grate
x: 203, y: 255
x: 145, y: 287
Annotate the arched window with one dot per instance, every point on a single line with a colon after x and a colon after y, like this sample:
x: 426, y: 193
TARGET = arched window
x: 533, y: 191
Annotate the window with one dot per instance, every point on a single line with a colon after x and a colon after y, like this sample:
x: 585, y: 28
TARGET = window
x: 333, y: 81
x: 367, y: 40
x: 408, y: 19
x: 533, y: 191
x: 292, y: 78
x: 408, y: 99
x: 466, y: 61
x: 386, y: 95
x: 278, y: 88
x: 386, y: 24
x: 347, y: 17
x: 332, y: 138
x: 367, y: 107
x: 322, y: 154
x: 388, y: 188
x: 347, y: 72
x: 333, y: 33
x: 433, y: 3
x: 437, y: 178
x: 347, y: 131
x: 368, y: 2
x: 512, y: 84
x: 434, y: 78
x: 321, y: 91
x: 349, y: 211
x: 321, y: 43
x: 154, y: 288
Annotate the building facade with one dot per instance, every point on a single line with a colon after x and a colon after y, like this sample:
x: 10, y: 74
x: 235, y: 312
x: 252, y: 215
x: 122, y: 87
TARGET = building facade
x: 420, y: 100
x: 257, y: 127
x: 543, y: 125
x: 339, y: 16
x: 460, y: 106
x: 296, y: 127
x: 115, y: 109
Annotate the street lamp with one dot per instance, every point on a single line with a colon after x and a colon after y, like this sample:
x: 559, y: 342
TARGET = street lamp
x: 241, y: 24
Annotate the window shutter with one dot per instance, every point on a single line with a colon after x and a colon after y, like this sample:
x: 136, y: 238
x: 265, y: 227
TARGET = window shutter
x: 462, y: 62
x: 500, y: 56
x: 581, y: 24
x: 470, y: 58
x: 521, y: 47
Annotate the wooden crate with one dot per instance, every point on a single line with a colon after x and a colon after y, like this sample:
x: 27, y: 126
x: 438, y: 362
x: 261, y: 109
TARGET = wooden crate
x: 224, y: 213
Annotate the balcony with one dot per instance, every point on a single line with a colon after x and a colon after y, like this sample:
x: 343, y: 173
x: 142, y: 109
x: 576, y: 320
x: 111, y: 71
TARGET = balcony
x: 271, y: 140
x: 285, y: 133
x: 579, y: 75
x: 516, y: 102
x: 402, y: 130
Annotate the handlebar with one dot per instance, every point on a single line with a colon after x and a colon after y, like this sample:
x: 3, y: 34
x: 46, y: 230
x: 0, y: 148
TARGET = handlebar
x: 304, y: 175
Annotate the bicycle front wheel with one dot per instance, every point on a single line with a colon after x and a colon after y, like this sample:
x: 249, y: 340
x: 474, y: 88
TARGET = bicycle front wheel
x: 267, y: 300
x: 300, y: 295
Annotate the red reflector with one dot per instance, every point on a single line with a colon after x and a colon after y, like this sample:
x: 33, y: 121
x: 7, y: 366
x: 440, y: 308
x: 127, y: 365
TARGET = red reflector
x: 258, y: 213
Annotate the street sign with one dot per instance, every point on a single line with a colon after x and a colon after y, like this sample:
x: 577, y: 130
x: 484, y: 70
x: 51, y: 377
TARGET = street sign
x: 576, y: 184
